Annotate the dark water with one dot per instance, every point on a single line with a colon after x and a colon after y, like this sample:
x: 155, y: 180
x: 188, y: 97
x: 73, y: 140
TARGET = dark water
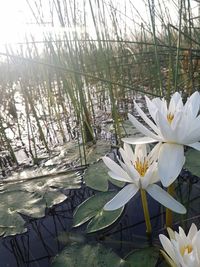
x: 40, y: 243
x: 38, y: 246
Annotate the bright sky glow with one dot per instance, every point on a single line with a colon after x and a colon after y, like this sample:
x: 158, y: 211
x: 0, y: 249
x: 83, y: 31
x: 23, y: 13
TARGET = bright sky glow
x: 16, y: 18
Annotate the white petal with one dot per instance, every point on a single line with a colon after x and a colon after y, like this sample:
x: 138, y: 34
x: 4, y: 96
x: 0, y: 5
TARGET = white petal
x: 116, y: 177
x: 191, y: 138
x: 122, y: 197
x: 142, y: 128
x: 161, y: 105
x: 165, y: 199
x: 165, y: 128
x: 155, y: 177
x: 168, y: 247
x: 192, y: 104
x: 170, y: 162
x: 140, y: 140
x: 153, y: 155
x: 146, y: 119
x: 123, y: 165
x: 169, y: 261
x: 146, y: 180
x: 182, y: 233
x: 192, y: 232
x: 125, y: 157
x: 133, y: 173
x: 129, y: 151
x: 171, y: 233
x: 195, y: 145
x: 176, y: 103
x: 140, y: 151
x: 177, y: 120
x: 115, y: 168
x: 153, y: 109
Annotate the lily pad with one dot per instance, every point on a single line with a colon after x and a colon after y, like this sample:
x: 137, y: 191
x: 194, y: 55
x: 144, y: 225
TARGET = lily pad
x: 88, y: 255
x: 21, y: 194
x: 96, y: 177
x: 98, y: 150
x: 103, y: 219
x: 92, y: 208
x: 193, y: 161
x: 70, y: 153
x: 30, y: 191
x: 129, y: 129
x: 146, y: 257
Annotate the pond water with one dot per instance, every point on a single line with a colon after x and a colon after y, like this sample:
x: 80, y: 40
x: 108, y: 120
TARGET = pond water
x: 47, y: 236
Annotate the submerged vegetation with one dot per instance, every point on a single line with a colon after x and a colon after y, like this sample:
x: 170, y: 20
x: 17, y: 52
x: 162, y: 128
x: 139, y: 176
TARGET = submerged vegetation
x: 65, y: 97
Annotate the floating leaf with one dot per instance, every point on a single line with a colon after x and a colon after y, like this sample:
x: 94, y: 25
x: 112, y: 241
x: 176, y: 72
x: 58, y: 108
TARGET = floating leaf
x: 30, y: 196
x: 96, y: 177
x: 146, y: 257
x: 103, y: 219
x: 88, y: 255
x: 117, y: 183
x: 129, y: 129
x: 98, y: 150
x: 193, y: 161
x: 30, y: 191
x: 93, y: 207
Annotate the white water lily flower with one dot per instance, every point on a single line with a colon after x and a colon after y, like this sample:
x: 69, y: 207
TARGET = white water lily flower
x: 139, y: 170
x: 182, y: 250
x: 174, y: 125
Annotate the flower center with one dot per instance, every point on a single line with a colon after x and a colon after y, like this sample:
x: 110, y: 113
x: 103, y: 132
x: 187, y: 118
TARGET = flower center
x: 141, y: 167
x: 186, y: 249
x: 170, y: 117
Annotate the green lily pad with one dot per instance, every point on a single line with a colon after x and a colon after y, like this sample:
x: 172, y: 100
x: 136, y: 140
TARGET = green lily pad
x: 146, y: 257
x: 92, y: 208
x: 70, y: 152
x: 11, y: 204
x: 30, y: 195
x: 88, y: 255
x: 129, y: 129
x: 193, y: 161
x: 117, y: 183
x: 98, y: 150
x: 96, y: 177
x: 103, y: 219
x: 32, y: 190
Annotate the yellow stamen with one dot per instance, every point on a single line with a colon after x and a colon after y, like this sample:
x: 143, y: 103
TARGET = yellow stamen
x: 186, y: 249
x: 141, y: 167
x: 170, y: 117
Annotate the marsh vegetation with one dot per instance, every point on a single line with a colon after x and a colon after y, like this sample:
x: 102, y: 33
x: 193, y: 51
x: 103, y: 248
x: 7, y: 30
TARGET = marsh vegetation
x: 65, y: 95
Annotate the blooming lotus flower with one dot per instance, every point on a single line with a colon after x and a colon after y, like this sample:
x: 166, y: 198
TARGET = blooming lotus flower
x: 182, y: 250
x: 139, y: 171
x: 174, y: 126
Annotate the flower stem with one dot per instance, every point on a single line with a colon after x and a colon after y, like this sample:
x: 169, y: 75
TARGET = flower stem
x: 169, y: 217
x: 146, y: 211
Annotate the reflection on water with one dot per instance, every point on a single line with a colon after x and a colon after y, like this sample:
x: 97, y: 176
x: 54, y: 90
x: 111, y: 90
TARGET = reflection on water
x: 47, y: 236
x: 37, y: 247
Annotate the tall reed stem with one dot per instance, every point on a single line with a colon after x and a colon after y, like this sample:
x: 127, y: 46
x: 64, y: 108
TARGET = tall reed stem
x: 169, y: 214
x: 146, y: 212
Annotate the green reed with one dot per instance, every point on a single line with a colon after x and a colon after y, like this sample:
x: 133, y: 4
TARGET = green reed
x: 101, y: 52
